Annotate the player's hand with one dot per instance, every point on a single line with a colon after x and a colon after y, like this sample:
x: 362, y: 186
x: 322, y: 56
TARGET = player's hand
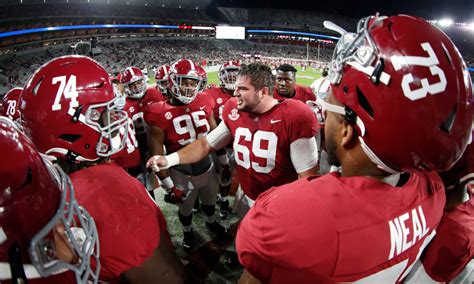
x: 175, y: 196
x: 157, y: 163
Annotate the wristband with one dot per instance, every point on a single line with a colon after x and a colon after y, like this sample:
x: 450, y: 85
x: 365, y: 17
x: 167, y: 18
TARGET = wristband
x: 173, y: 160
x: 167, y: 183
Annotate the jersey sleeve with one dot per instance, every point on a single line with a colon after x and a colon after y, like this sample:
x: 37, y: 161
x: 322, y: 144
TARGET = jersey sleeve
x: 154, y: 95
x: 227, y: 113
x: 209, y: 95
x: 309, y: 95
x: 302, y: 121
x: 152, y: 114
x: 209, y: 104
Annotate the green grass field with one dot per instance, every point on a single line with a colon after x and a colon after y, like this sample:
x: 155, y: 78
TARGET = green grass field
x: 304, y: 78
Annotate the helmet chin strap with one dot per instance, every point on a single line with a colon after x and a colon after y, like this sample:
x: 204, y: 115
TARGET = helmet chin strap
x: 376, y: 160
x: 16, y: 265
x: 29, y: 271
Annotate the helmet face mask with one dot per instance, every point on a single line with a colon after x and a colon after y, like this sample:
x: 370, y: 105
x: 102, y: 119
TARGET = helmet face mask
x: 81, y: 233
x: 186, y: 80
x: 134, y: 82
x: 228, y: 74
x: 39, y: 196
x: 185, y: 88
x: 354, y: 47
x: 162, y: 77
x: 162, y: 85
x: 108, y: 120
x: 136, y: 90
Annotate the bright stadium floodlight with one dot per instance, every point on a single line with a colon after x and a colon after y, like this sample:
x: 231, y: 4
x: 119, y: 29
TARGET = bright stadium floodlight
x: 471, y: 26
x: 445, y: 22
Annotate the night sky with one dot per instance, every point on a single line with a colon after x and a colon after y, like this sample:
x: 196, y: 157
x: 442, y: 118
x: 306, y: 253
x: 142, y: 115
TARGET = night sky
x: 457, y: 10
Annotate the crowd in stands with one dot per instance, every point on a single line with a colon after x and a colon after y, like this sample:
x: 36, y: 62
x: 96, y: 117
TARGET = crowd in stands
x: 117, y: 55
x: 283, y: 19
x: 158, y: 46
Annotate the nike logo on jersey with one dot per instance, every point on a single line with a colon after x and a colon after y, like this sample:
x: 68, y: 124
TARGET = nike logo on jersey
x: 274, y: 121
x: 406, y: 230
x: 203, y: 107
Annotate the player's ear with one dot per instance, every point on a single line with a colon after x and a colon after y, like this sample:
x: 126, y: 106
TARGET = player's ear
x: 265, y: 91
x: 349, y: 134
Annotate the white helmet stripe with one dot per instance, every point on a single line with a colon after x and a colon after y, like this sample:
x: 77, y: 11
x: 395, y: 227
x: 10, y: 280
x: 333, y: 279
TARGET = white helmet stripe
x: 131, y: 71
x: 192, y: 65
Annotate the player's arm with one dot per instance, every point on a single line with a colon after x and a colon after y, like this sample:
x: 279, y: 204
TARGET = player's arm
x: 304, y: 156
x: 156, y: 140
x: 162, y: 267
x: 225, y: 175
x: 247, y: 278
x: 196, y: 151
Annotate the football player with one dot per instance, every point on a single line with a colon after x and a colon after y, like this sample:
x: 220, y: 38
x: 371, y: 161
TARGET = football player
x: 129, y: 158
x: 286, y: 87
x: 395, y: 77
x: 161, y: 77
x: 220, y: 95
x: 46, y: 236
x: 70, y: 114
x: 273, y: 141
x: 174, y: 124
x: 138, y: 96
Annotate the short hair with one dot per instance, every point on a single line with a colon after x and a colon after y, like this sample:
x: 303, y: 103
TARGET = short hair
x: 260, y: 75
x: 287, y: 68
x: 325, y: 71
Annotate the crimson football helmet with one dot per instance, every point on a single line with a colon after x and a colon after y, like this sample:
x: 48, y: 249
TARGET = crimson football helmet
x: 407, y: 89
x: 186, y: 80
x: 228, y: 74
x: 69, y: 110
x: 203, y: 74
x: 161, y: 77
x: 34, y: 197
x: 134, y: 82
x: 11, y: 107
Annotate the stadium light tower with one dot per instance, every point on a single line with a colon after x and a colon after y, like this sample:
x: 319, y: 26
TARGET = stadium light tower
x: 445, y: 22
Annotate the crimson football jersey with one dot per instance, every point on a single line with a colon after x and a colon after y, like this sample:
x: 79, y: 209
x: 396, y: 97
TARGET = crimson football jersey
x: 340, y: 229
x: 302, y: 93
x: 453, y: 246
x: 135, y: 108
x: 181, y: 124
x: 219, y: 99
x: 262, y: 143
x: 129, y: 156
x: 127, y: 219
